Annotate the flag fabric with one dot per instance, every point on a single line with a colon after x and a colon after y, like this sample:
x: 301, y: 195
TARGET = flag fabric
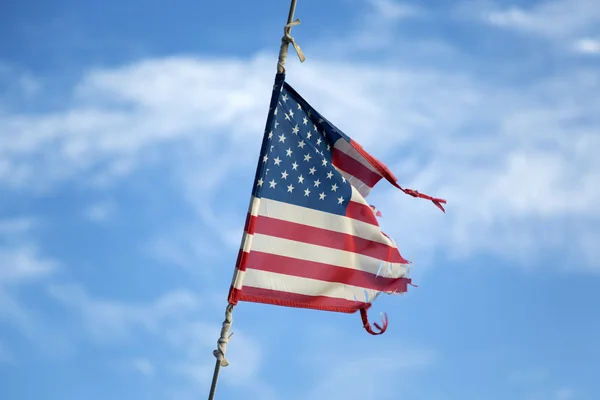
x: 311, y: 240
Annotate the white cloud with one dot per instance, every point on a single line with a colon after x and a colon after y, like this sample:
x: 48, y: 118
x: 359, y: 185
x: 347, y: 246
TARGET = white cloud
x: 21, y: 263
x: 143, y: 366
x: 553, y: 18
x: 394, y: 10
x: 101, y: 211
x: 587, y: 46
x: 565, y: 394
x: 364, y: 372
x: 109, y: 321
x: 172, y: 322
x: 510, y: 160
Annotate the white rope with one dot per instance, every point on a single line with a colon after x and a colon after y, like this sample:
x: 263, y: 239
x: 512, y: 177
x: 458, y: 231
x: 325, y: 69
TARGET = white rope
x: 219, y: 353
x: 286, y: 40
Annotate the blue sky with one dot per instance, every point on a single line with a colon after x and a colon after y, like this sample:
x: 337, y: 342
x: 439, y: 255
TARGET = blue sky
x: 129, y: 134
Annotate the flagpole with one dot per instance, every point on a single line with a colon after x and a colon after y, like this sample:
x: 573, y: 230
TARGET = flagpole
x: 219, y: 353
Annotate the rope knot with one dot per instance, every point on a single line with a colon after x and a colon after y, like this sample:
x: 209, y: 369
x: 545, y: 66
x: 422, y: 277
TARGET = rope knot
x: 286, y: 40
x: 219, y: 353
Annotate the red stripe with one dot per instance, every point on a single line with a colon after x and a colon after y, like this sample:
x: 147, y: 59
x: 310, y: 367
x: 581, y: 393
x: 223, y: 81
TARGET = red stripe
x: 326, y: 238
x: 348, y: 164
x: 324, y: 272
x: 287, y: 299
x: 361, y: 212
x: 378, y: 165
x: 250, y: 223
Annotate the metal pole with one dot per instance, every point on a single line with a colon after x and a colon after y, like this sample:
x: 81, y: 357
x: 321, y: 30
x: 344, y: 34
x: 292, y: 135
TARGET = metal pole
x: 215, y: 378
x: 220, y: 352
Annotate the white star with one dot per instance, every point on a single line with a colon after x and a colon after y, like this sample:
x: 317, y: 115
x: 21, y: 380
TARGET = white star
x: 315, y: 128
x: 275, y: 112
x: 299, y: 106
x: 340, y: 200
x: 308, y: 135
x: 288, y: 152
x: 343, y: 179
x: 265, y: 158
x: 282, y: 138
x: 276, y: 124
x: 317, y: 183
x: 309, y: 114
x: 334, y: 187
x: 328, y: 147
x: 284, y: 98
x: 290, y: 188
x: 272, y: 184
x: 284, y: 175
x: 301, y: 144
x: 277, y: 161
x: 329, y: 175
x: 307, y: 157
x: 267, y: 172
x: 300, y: 179
x: 305, y: 121
x: 291, y: 113
x: 306, y: 192
x: 287, y: 117
x: 322, y: 196
x: 318, y: 141
x: 321, y: 120
x: 260, y: 182
x: 312, y: 171
x: 270, y: 134
x: 294, y: 166
x: 324, y: 162
x: 295, y: 129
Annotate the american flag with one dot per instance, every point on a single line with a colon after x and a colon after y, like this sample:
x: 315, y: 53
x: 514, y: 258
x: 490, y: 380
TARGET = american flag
x: 311, y: 240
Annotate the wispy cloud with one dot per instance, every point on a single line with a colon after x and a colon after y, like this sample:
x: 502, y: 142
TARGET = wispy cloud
x: 505, y: 156
x: 588, y: 46
x: 171, y: 320
x: 101, y: 211
x: 551, y: 18
x: 143, y: 366
x: 111, y: 321
x: 395, y: 10
x: 566, y: 394
x: 21, y: 263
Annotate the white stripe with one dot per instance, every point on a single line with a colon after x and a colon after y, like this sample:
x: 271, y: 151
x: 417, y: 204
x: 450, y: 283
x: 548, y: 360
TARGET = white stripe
x: 356, y: 183
x: 238, y: 281
x: 306, y: 286
x: 238, y: 276
x: 346, y: 148
x: 357, y: 197
x: 319, y: 219
x: 326, y: 255
x: 247, y: 243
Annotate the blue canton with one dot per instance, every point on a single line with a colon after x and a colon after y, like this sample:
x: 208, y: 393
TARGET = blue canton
x: 295, y: 164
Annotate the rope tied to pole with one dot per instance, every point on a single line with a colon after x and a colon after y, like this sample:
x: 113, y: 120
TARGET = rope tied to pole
x: 286, y: 40
x: 219, y: 353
